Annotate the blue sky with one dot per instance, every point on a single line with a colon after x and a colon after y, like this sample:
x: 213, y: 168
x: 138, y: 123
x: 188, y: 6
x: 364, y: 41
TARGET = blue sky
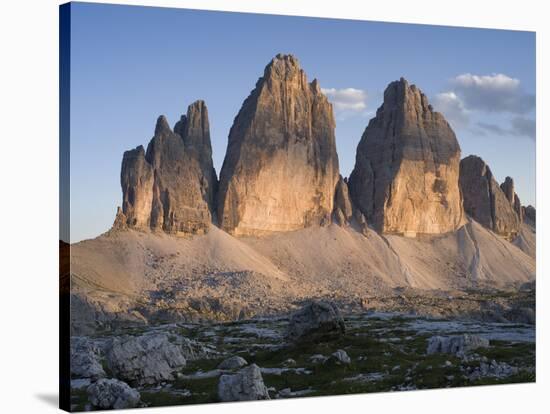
x: 130, y: 64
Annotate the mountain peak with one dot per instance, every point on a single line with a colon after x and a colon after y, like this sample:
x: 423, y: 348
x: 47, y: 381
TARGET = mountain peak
x: 162, y: 125
x: 405, y: 178
x: 283, y: 67
x: 281, y: 165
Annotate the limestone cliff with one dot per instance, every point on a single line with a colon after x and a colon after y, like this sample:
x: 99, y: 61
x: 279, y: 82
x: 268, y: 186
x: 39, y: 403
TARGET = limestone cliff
x: 509, y: 190
x: 343, y: 208
x: 281, y: 165
x: 172, y: 186
x: 485, y: 201
x: 405, y: 179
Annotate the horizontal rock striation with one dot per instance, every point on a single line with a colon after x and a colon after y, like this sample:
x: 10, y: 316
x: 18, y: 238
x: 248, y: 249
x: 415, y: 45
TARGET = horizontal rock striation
x: 405, y: 179
x: 281, y: 165
x: 171, y: 186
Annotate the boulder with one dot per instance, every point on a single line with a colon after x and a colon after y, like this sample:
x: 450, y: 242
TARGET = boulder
x: 281, y: 166
x: 108, y: 394
x: 146, y: 359
x: 85, y: 359
x: 340, y: 357
x: 234, y: 362
x: 317, y: 321
x: 318, y: 359
x: 484, y: 200
x: 405, y: 179
x: 245, y: 385
x: 172, y: 186
x: 457, y: 344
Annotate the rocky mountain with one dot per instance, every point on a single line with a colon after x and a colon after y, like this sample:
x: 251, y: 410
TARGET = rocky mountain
x: 485, y: 201
x: 343, y: 207
x: 509, y: 190
x: 530, y: 214
x: 308, y: 231
x: 172, y: 186
x: 281, y: 165
x: 133, y: 277
x: 405, y: 179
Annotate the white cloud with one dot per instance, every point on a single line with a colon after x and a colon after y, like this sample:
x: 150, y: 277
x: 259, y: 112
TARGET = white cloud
x: 347, y: 101
x: 452, y: 107
x: 493, y: 93
x: 472, y: 97
x: 519, y: 127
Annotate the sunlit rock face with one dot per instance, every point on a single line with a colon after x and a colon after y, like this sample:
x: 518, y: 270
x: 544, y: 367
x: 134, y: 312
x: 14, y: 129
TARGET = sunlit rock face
x: 485, y: 201
x: 136, y: 178
x: 281, y: 165
x: 172, y: 186
x: 405, y: 179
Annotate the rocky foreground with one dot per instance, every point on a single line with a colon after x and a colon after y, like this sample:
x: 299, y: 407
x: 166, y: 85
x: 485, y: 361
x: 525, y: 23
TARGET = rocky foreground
x: 313, y: 352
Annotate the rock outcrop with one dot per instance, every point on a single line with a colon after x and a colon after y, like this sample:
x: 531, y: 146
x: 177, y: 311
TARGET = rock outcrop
x: 457, y: 344
x: 246, y: 384
x: 172, y: 186
x: 509, y: 190
x: 281, y: 165
x: 405, y: 179
x: 136, y: 178
x: 85, y: 359
x: 530, y: 215
x: 340, y: 357
x: 108, y: 394
x: 146, y: 359
x: 484, y: 199
x: 316, y: 321
x: 343, y: 208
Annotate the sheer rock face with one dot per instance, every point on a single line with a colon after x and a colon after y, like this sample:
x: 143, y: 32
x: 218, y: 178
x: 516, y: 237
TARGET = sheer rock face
x: 137, y: 187
x: 509, y: 190
x: 484, y: 199
x: 172, y: 186
x: 530, y: 214
x: 405, y: 179
x: 343, y: 208
x: 281, y: 165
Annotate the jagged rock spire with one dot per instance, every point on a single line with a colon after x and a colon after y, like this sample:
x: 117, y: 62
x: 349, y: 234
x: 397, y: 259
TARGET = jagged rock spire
x: 485, y: 201
x: 281, y: 165
x: 171, y: 187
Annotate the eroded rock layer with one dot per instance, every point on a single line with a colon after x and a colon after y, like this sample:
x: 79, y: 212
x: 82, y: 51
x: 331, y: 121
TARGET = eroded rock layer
x: 172, y: 186
x: 405, y: 179
x: 281, y: 165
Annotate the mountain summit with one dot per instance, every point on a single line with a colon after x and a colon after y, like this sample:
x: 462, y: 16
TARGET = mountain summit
x: 405, y: 179
x: 171, y: 187
x: 281, y: 165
